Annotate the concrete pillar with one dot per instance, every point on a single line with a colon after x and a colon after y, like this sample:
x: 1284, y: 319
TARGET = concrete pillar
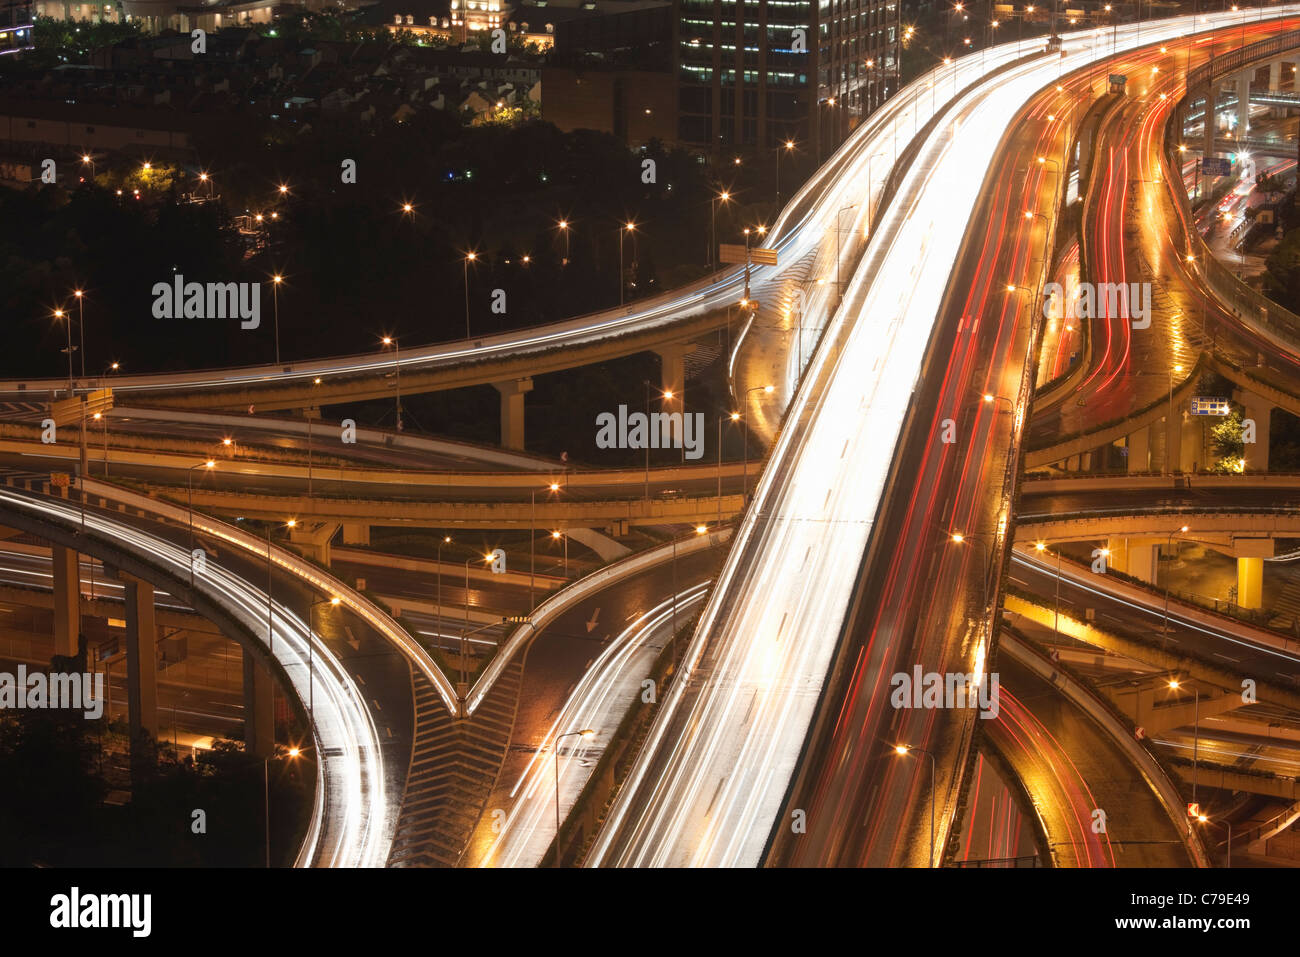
x: 356, y: 533
x: 1173, y: 426
x: 1275, y: 76
x: 67, y: 600
x: 1085, y: 462
x: 1250, y: 582
x: 1251, y: 553
x: 1193, y: 441
x: 141, y: 660
x: 259, y: 708
x: 1259, y: 413
x: 313, y: 540
x: 512, y: 410
x: 1134, y: 556
x: 1139, y: 450
x: 1243, y: 104
x: 672, y: 367
x: 1211, y: 116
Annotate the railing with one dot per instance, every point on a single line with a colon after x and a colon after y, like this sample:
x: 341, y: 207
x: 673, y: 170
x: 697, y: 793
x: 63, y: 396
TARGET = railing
x: 1244, y: 302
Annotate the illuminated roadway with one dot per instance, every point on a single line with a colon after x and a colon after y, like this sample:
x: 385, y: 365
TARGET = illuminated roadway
x: 708, y: 786
x: 355, y: 806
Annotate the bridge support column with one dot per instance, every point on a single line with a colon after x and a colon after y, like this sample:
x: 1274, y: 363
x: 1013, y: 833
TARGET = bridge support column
x: 67, y: 600
x: 1251, y: 553
x: 1211, y: 117
x: 313, y: 540
x: 672, y: 368
x: 1275, y: 76
x: 1243, y: 103
x: 259, y: 708
x: 1139, y: 450
x: 141, y: 658
x: 1134, y: 556
x: 1260, y: 413
x: 356, y: 533
x: 1250, y: 582
x: 512, y: 410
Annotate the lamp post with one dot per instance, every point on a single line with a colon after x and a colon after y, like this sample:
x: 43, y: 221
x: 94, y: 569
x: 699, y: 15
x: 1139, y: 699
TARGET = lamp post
x: 1169, y: 438
x: 623, y: 230
x: 665, y: 395
x: 722, y: 197
x: 67, y: 320
x: 584, y: 733
x: 556, y: 536
x: 563, y: 227
x: 959, y: 538
x: 266, y: 794
x: 839, y: 287
x: 1175, y: 684
x: 1040, y: 547
x: 81, y: 326
x: 465, y: 632
x: 311, y: 638
x: 275, y: 302
x: 189, y: 483
x: 744, y: 488
x: 903, y: 750
x: 397, y: 370
x: 532, y: 541
x: 446, y: 540
x: 786, y: 147
x: 1224, y: 824
x: 88, y: 160
x: 270, y: 606
x: 470, y: 257
x: 1169, y: 541
x: 732, y: 417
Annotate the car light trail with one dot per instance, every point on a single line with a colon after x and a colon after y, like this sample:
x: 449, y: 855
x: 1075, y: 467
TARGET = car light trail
x: 354, y: 814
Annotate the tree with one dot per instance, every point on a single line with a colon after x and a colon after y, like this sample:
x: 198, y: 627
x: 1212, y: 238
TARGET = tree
x: 1226, y: 442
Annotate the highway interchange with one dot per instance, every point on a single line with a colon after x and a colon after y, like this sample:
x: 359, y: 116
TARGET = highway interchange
x: 874, y: 535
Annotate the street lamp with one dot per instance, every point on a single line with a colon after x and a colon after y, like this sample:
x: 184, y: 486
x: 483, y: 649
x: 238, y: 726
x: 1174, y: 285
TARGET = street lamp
x: 532, y: 540
x: 266, y: 792
x: 1169, y: 438
x: 59, y: 314
x: 584, y: 733
x: 311, y: 638
x: 730, y: 417
x: 189, y: 482
x: 556, y: 536
x: 563, y: 227
x: 666, y: 395
x: 839, y: 288
x: 1175, y: 684
x: 270, y: 606
x: 903, y: 750
x: 397, y: 369
x: 470, y: 257
x: 1169, y: 541
x: 1224, y: 824
x: 464, y: 634
x: 89, y: 160
x: 958, y: 538
x: 722, y: 197
x: 786, y: 147
x: 446, y: 540
x: 744, y: 488
x: 275, y: 301
x: 1040, y: 547
x: 81, y: 326
x: 623, y: 231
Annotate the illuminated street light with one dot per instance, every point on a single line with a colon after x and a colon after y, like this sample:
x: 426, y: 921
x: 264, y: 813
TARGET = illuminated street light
x: 903, y: 750
x: 584, y: 733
